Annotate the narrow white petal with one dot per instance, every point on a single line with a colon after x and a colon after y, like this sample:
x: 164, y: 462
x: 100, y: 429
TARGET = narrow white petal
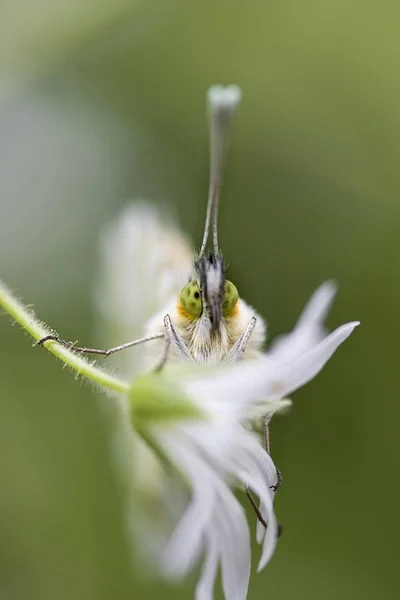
x: 231, y: 390
x: 260, y: 529
x: 235, y: 551
x: 318, y: 306
x: 301, y: 370
x: 273, y: 379
x: 220, y: 431
x: 185, y: 544
x: 205, y: 586
x: 214, y: 516
x: 248, y: 462
x: 184, y: 547
x: 257, y: 470
x: 213, y: 510
x: 309, y: 328
x: 271, y: 533
x: 227, y: 540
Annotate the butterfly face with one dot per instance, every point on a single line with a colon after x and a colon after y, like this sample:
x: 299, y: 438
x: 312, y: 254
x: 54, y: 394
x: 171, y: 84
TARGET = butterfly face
x: 206, y: 307
x: 210, y: 296
x: 209, y: 316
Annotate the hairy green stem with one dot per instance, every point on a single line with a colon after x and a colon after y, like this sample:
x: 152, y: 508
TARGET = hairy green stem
x: 28, y: 320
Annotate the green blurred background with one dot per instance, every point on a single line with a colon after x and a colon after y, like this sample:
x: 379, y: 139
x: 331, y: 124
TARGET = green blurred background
x: 102, y: 102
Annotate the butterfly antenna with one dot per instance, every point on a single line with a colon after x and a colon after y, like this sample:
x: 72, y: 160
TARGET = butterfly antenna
x: 221, y: 103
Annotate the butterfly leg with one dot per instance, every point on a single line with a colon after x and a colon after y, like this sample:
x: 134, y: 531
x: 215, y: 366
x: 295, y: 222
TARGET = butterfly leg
x: 255, y: 507
x: 167, y: 345
x: 174, y: 343
x: 267, y: 447
x: 72, y: 346
x: 240, y: 346
x: 258, y: 512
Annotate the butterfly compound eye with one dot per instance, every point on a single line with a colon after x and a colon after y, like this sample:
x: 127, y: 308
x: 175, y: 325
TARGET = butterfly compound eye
x: 231, y: 296
x: 191, y: 299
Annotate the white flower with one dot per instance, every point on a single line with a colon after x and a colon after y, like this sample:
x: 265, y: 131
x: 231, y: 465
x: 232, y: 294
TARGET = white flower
x: 216, y: 452
x: 275, y: 376
x: 212, y: 452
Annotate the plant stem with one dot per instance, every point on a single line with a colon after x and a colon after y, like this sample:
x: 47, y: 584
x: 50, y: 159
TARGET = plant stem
x: 28, y: 320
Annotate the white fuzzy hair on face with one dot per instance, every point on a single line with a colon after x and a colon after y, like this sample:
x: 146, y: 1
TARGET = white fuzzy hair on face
x: 215, y: 278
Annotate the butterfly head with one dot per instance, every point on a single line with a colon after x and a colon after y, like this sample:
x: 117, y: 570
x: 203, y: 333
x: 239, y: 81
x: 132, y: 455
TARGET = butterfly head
x: 208, y: 306
x: 209, y: 296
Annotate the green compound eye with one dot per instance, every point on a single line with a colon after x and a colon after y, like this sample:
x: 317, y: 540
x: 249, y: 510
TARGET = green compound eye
x: 191, y: 299
x: 231, y: 296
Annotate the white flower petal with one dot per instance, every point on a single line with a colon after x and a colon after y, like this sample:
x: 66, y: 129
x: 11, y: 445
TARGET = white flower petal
x: 318, y: 306
x: 259, y: 472
x: 229, y: 531
x: 309, y: 328
x: 214, y: 516
x: 235, y: 549
x: 248, y: 462
x: 184, y: 546
x: 271, y: 533
x: 205, y: 586
x: 245, y: 383
x: 260, y: 529
x: 301, y: 370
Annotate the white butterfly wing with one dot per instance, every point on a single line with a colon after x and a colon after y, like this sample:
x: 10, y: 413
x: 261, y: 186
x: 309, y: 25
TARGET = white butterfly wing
x: 145, y: 261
